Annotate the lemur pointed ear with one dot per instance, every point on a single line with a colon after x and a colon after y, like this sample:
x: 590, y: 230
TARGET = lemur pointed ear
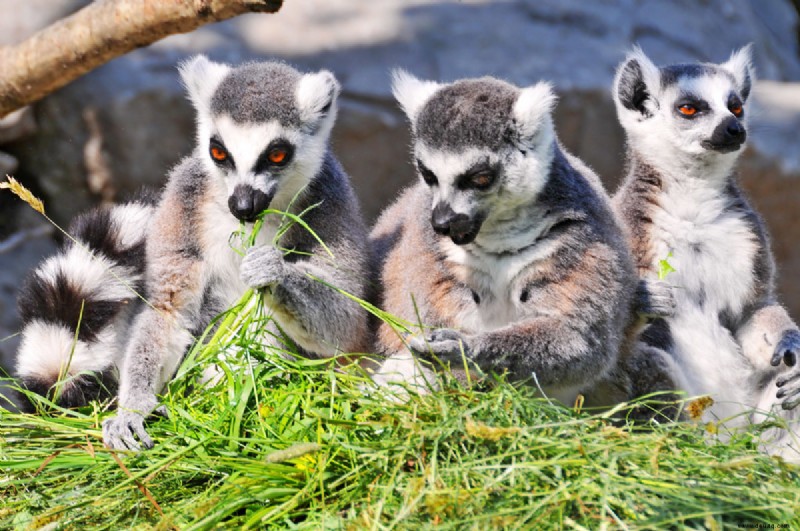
x: 316, y: 95
x: 532, y: 112
x: 634, y: 83
x: 411, y: 93
x: 741, y: 66
x: 201, y: 78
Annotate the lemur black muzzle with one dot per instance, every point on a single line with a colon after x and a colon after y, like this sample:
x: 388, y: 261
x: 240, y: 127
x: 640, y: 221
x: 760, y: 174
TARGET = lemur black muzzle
x: 459, y: 227
x: 246, y: 203
x: 728, y: 136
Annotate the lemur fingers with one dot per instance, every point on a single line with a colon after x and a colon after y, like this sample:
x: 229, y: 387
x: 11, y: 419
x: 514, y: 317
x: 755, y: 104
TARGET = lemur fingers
x: 655, y: 298
x: 120, y: 432
x: 783, y: 380
x: 444, y: 344
x: 789, y: 397
x: 262, y: 266
x: 788, y: 349
x: 789, y: 388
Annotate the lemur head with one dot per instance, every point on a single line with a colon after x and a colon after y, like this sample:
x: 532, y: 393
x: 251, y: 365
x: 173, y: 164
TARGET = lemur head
x: 262, y: 128
x: 698, y: 112
x: 483, y: 146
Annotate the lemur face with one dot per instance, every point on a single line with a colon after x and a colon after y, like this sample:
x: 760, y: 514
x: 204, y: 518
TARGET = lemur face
x: 262, y: 129
x: 697, y: 109
x: 482, y: 146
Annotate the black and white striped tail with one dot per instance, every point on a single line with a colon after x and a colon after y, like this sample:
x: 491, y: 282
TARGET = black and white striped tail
x: 76, y: 306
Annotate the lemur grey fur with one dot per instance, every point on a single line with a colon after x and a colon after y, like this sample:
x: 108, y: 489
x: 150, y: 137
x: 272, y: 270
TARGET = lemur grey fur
x: 726, y: 335
x: 507, y: 246
x: 92, y: 282
x: 263, y: 131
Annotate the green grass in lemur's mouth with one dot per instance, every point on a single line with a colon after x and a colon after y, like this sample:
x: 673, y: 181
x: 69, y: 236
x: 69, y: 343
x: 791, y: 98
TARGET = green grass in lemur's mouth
x: 310, y: 444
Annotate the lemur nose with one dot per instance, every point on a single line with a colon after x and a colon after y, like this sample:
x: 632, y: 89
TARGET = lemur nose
x: 735, y: 129
x: 246, y: 203
x: 441, y: 218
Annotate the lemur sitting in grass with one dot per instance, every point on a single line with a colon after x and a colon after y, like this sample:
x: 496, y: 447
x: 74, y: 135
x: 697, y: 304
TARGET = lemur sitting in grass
x: 506, y: 248
x: 262, y: 142
x: 727, y: 336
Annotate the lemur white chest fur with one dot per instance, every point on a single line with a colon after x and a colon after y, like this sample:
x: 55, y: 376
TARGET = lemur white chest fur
x: 497, y: 280
x: 712, y: 251
x: 221, y: 242
x: 712, y: 248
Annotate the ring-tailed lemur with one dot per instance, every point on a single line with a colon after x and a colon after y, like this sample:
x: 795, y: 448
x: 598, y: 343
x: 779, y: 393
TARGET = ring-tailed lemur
x: 263, y: 131
x: 727, y: 336
x: 507, y: 246
x: 76, y: 306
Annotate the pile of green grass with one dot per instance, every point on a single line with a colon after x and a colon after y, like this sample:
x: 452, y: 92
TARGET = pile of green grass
x: 310, y: 444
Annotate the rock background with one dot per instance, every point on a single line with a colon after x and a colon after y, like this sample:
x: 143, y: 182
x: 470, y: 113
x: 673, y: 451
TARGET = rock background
x: 122, y: 126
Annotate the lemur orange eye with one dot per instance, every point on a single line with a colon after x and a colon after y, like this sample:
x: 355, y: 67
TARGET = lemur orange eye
x: 276, y: 156
x: 736, y: 109
x: 687, y: 110
x: 482, y: 180
x: 219, y: 154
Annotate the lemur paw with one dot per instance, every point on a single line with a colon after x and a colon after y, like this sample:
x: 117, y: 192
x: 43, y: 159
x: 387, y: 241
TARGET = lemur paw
x: 655, y: 298
x: 788, y: 349
x: 121, y: 432
x: 444, y: 344
x: 262, y: 266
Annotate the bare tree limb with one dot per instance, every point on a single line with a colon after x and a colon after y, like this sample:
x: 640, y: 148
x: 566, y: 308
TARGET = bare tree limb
x: 98, y: 33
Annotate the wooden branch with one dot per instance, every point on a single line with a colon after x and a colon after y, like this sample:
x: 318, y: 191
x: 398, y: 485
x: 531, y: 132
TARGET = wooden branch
x: 98, y: 33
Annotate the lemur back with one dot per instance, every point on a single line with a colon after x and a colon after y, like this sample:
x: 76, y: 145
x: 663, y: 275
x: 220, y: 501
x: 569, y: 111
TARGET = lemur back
x: 263, y: 131
x: 76, y: 306
x: 507, y: 248
x: 727, y: 335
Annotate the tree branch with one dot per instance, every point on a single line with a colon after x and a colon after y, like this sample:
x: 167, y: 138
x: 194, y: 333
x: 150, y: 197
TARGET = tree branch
x: 98, y: 33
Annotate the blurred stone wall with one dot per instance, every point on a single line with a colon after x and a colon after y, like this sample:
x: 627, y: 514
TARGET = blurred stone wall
x: 122, y: 126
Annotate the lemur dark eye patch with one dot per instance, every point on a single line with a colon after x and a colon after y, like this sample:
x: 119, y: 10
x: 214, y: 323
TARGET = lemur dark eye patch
x: 689, y: 106
x: 219, y: 153
x: 276, y: 155
x: 479, y: 177
x: 427, y: 175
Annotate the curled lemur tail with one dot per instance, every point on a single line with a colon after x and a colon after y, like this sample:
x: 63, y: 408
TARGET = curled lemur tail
x: 76, y: 306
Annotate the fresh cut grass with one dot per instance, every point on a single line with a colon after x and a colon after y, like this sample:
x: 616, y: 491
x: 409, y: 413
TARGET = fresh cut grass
x: 273, y: 442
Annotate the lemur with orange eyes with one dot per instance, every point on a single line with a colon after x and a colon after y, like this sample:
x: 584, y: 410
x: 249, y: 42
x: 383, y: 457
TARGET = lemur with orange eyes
x: 262, y: 142
x: 726, y: 335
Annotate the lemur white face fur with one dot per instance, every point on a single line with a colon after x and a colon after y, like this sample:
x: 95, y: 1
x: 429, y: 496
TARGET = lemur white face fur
x: 483, y: 147
x: 265, y: 149
x: 700, y: 110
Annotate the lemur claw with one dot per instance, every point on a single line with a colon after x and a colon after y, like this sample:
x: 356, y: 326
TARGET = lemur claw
x: 262, y: 266
x: 788, y: 349
x: 655, y: 298
x: 120, y: 432
x: 443, y: 344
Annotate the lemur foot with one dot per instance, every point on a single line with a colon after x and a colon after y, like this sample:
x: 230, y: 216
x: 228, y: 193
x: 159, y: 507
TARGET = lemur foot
x: 788, y: 351
x: 120, y: 432
x: 655, y: 298
x: 262, y: 266
x: 444, y: 344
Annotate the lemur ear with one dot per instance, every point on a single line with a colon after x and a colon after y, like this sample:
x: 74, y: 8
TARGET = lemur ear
x: 316, y: 95
x: 532, y: 112
x: 411, y: 93
x: 635, y: 82
x: 741, y: 66
x: 201, y: 78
